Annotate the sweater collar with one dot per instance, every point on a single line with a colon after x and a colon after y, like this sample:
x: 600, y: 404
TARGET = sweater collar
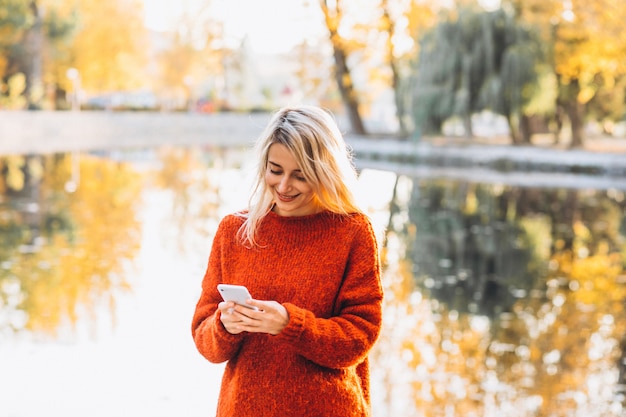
x: 286, y: 219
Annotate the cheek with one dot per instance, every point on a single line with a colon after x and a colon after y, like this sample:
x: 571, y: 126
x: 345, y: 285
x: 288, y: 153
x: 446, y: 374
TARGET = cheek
x: 306, y: 189
x: 272, y: 181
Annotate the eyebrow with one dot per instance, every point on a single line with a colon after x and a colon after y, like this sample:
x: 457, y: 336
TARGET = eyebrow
x: 278, y: 166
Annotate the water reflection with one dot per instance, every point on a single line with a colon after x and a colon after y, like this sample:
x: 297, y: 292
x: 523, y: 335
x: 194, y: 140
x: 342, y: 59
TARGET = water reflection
x: 504, y: 301
x: 64, y: 253
x: 65, y: 250
x: 98, y: 282
x: 500, y: 300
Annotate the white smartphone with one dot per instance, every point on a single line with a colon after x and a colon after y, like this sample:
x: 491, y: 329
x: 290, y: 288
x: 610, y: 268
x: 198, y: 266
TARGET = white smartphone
x: 236, y: 293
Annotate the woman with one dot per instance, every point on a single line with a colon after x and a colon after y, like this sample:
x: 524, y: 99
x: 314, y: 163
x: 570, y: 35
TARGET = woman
x: 309, y: 258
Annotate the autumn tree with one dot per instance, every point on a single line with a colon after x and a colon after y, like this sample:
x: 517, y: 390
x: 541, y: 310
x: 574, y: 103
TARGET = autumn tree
x: 32, y: 35
x: 312, y: 67
x: 194, y: 53
x: 333, y: 15
x: 588, y: 47
x: 401, y: 24
x: 109, y: 49
x: 104, y: 41
x: 372, y: 52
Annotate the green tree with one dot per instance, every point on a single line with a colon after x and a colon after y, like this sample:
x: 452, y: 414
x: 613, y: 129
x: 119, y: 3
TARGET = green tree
x: 472, y: 61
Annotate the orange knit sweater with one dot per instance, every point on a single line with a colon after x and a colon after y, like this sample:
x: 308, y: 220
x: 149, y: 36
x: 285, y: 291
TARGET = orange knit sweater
x: 324, y: 268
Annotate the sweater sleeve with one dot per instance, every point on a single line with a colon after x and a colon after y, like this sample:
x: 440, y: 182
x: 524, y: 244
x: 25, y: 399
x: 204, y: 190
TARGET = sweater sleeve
x: 346, y: 338
x: 211, y: 338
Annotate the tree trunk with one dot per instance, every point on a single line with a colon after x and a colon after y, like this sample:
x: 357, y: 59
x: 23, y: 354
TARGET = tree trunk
x: 398, y: 95
x: 562, y: 221
x: 621, y: 366
x: 348, y: 94
x: 32, y: 63
x: 525, y: 129
x: 575, y: 111
x: 342, y: 71
x: 514, y: 129
x: 558, y: 123
x: 467, y: 126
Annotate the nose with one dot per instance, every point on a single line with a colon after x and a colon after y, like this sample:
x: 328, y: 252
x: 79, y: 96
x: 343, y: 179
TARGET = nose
x: 284, y: 185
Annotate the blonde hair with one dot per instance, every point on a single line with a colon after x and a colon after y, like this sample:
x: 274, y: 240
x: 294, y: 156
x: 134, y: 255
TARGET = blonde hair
x: 313, y: 138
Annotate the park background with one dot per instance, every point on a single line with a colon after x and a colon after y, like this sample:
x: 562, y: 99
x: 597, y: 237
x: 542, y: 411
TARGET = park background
x: 489, y: 138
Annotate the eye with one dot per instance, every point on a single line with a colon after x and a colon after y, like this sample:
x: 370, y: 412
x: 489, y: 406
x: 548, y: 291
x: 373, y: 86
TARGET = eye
x: 275, y: 172
x: 299, y: 178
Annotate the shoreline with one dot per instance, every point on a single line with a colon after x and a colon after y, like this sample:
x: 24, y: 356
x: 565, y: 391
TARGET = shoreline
x: 45, y: 132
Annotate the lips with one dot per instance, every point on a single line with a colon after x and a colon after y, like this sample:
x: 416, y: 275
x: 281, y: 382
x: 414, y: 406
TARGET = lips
x: 286, y: 198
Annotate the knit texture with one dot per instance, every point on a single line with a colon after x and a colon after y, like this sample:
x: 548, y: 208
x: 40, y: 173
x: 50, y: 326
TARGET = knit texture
x: 324, y: 268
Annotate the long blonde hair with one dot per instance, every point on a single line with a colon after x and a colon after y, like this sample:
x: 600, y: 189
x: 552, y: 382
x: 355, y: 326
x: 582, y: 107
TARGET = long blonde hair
x: 313, y: 137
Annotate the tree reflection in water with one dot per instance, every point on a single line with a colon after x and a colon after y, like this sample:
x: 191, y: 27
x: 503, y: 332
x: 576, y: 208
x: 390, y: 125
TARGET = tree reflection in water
x: 184, y: 173
x: 503, y: 301
x: 64, y: 254
x: 500, y: 301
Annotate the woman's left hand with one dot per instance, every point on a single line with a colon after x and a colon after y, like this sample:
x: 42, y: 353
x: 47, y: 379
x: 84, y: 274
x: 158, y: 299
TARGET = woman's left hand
x: 271, y: 317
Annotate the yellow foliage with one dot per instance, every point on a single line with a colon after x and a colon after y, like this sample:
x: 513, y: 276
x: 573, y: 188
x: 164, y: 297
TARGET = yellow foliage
x: 421, y: 16
x: 584, y: 291
x: 588, y: 38
x: 598, y: 279
x: 110, y: 48
x: 84, y: 268
x: 15, y: 175
x: 542, y: 349
x: 14, y: 90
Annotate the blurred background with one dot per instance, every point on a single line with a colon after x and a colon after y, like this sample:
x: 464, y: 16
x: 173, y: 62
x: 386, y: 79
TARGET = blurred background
x: 490, y: 139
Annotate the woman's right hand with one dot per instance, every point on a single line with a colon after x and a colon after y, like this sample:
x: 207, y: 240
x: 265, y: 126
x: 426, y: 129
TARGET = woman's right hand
x: 229, y: 317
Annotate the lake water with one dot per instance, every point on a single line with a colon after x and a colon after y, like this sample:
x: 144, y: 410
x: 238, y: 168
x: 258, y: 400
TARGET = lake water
x: 500, y: 300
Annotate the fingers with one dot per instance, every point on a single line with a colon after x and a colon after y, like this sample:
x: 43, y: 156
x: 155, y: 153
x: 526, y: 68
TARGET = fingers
x: 230, y: 319
x: 226, y: 307
x: 271, y: 317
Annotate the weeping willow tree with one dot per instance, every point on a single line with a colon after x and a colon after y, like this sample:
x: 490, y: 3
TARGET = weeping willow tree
x: 474, y: 61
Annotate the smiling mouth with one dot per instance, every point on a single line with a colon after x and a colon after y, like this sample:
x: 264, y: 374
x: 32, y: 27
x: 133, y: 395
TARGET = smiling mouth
x: 286, y: 198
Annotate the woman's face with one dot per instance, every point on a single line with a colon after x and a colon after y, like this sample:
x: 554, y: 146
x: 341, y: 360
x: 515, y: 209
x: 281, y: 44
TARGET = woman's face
x: 293, y: 196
